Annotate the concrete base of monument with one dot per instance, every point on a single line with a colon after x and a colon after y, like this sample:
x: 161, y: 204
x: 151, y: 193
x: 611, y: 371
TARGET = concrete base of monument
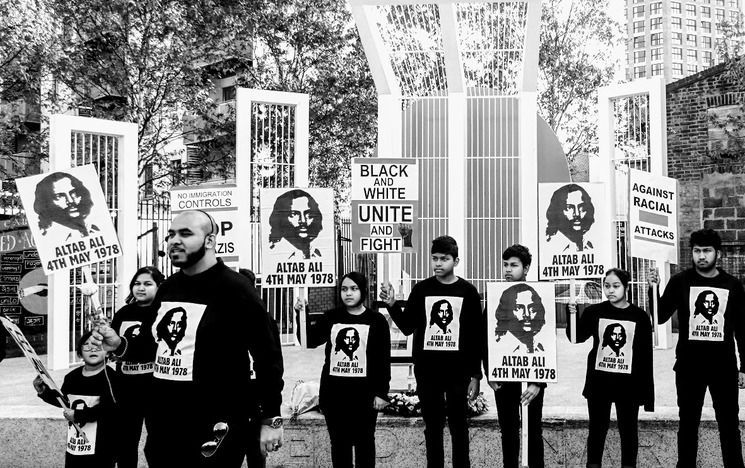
x: 35, y: 442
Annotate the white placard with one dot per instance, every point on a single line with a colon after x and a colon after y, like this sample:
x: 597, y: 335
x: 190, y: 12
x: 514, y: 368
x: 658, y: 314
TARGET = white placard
x: 653, y: 216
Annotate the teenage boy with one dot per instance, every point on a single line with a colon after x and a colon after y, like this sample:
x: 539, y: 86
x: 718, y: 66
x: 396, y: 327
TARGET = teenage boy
x: 705, y: 355
x: 509, y: 396
x: 446, y: 360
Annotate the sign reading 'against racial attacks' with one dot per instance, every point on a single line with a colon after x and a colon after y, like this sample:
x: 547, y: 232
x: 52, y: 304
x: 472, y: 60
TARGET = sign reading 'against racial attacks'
x: 385, y: 204
x: 653, y: 216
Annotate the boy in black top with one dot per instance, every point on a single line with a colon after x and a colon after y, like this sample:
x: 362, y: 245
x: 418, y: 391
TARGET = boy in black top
x: 508, y: 396
x: 709, y: 304
x: 444, y: 314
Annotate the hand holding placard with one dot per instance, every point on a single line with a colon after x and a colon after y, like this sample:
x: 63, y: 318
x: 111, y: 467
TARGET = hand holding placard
x: 387, y: 294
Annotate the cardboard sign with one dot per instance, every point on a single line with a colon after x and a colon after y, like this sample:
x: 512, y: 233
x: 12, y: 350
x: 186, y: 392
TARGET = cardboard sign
x: 521, y: 328
x: 574, y: 235
x: 653, y: 216
x: 69, y: 218
x: 221, y: 202
x: 385, y: 205
x: 297, y: 237
x: 30, y: 354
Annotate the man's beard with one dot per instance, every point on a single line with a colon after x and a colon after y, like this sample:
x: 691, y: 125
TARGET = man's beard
x: 192, y: 258
x: 705, y: 269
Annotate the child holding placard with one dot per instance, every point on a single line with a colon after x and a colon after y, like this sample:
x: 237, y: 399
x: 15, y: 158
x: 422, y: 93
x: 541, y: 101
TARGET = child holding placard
x: 356, y: 373
x: 91, y: 391
x: 619, y: 367
x: 444, y: 314
x: 134, y: 322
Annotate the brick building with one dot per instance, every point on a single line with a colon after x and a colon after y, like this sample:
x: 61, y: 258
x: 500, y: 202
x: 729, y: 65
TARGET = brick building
x: 705, y: 154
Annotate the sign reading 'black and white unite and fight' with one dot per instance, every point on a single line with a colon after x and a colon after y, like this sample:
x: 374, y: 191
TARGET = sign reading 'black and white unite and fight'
x: 521, y: 328
x: 385, y: 205
x: 69, y: 218
x: 443, y: 323
x: 615, y: 352
x: 707, y: 306
x: 175, y: 331
x: 348, y: 356
x: 297, y: 237
x: 653, y: 216
x: 574, y: 234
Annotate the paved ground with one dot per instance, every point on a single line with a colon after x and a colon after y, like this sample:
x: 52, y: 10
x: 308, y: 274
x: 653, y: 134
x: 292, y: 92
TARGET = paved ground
x: 563, y: 399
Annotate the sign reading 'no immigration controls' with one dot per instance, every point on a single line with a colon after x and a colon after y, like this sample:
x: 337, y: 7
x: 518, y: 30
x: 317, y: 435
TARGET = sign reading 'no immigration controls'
x: 385, y: 204
x: 653, y: 216
x: 220, y: 201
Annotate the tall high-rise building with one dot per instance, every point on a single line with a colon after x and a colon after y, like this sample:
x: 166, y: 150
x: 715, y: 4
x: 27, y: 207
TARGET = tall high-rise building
x: 675, y: 38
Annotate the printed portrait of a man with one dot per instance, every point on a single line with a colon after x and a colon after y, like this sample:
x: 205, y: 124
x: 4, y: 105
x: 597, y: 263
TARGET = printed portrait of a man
x: 521, y: 314
x: 707, y: 306
x: 570, y: 216
x: 347, y: 342
x: 171, y: 329
x: 614, y: 338
x: 63, y: 204
x: 295, y: 223
x: 441, y: 316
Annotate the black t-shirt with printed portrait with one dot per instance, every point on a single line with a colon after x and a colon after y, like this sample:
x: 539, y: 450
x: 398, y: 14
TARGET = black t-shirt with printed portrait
x: 357, y: 366
x: 135, y: 324
x: 447, y: 324
x: 710, y: 319
x: 619, y: 365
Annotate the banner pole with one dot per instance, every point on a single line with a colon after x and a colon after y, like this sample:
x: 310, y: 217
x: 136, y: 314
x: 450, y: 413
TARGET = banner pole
x: 524, y: 432
x: 573, y: 318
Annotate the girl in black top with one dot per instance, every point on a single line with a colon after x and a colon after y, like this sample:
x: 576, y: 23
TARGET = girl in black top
x: 134, y: 321
x: 91, y: 392
x: 619, y: 367
x: 356, y: 373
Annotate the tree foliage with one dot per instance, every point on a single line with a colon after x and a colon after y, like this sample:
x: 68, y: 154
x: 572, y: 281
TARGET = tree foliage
x: 577, y: 42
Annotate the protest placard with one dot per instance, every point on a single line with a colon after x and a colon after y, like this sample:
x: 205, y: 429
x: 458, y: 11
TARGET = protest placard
x: 69, y: 218
x: 653, y: 216
x: 29, y: 352
x: 521, y: 331
x: 385, y: 205
x: 221, y: 202
x: 574, y: 235
x: 297, y: 237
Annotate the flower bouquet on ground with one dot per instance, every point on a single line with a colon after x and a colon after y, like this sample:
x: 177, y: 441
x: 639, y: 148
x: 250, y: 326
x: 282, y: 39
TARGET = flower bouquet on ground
x: 404, y: 404
x: 478, y: 406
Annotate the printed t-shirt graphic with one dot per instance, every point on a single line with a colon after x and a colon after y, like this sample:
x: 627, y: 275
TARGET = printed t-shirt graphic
x: 707, y: 306
x: 348, y: 356
x: 443, y: 323
x: 615, y: 352
x: 77, y: 444
x: 129, y: 330
x: 175, y: 332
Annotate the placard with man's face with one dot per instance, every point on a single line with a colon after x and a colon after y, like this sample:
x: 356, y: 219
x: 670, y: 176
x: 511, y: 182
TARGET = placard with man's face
x: 521, y: 332
x: 574, y: 230
x: 348, y: 357
x: 707, y: 306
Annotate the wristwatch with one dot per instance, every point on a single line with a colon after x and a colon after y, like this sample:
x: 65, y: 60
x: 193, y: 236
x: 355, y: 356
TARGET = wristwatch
x: 275, y: 422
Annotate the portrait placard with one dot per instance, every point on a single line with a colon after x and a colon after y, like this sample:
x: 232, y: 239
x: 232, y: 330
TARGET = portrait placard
x: 69, y: 218
x: 297, y: 237
x: 521, y: 332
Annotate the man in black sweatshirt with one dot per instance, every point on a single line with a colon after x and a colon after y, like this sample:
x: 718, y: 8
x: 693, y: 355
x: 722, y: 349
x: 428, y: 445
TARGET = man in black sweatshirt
x: 710, y: 304
x: 204, y: 377
x: 444, y: 314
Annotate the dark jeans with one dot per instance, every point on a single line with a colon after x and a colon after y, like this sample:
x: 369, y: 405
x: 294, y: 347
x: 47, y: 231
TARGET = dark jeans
x: 628, y: 427
x: 691, y: 386
x: 508, y: 411
x: 434, y: 391
x: 352, y: 428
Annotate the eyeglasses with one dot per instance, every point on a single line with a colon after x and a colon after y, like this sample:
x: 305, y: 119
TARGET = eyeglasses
x: 90, y: 348
x: 220, y: 430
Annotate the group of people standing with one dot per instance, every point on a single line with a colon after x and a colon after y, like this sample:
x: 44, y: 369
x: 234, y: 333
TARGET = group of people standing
x: 199, y: 360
